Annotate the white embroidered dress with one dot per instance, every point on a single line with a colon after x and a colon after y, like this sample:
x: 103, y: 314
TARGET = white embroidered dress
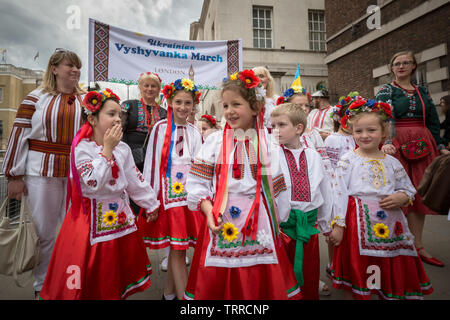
x: 201, y: 185
x: 111, y: 215
x: 187, y: 142
x: 382, y: 233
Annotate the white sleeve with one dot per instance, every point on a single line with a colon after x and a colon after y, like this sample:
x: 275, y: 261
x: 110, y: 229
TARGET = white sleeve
x: 325, y: 211
x: 340, y: 192
x: 402, y: 181
x: 282, y: 194
x: 138, y: 188
x: 200, y: 180
x: 93, y: 168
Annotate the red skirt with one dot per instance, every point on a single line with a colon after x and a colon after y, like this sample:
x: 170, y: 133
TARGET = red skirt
x: 401, y: 277
x: 407, y: 130
x: 258, y: 282
x: 109, y: 270
x: 176, y: 227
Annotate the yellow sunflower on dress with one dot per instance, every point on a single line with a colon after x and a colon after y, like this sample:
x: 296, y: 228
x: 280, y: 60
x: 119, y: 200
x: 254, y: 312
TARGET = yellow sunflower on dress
x: 177, y: 187
x: 381, y: 230
x: 109, y: 218
x: 229, y: 232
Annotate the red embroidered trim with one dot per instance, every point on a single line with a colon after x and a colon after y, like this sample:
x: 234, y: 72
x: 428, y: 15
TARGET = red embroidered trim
x: 201, y: 200
x: 301, y: 190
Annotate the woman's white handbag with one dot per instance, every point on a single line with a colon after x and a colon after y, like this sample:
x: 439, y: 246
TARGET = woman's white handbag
x: 19, y: 242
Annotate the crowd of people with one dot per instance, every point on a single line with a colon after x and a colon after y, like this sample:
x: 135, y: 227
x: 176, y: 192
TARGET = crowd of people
x: 251, y: 198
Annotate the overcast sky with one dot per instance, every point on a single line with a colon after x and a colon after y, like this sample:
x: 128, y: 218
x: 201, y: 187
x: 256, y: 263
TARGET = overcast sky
x: 30, y: 26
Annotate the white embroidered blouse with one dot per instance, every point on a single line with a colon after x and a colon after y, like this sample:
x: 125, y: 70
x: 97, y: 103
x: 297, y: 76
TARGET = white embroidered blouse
x: 336, y: 145
x: 372, y: 178
x: 187, y: 141
x: 97, y: 181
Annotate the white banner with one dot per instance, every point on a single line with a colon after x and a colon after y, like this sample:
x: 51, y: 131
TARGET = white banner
x: 120, y: 56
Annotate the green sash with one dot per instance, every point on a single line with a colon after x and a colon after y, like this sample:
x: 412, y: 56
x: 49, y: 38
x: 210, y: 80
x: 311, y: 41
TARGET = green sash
x: 300, y: 227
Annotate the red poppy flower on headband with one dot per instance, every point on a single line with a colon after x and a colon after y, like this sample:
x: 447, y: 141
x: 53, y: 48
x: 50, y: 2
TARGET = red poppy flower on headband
x: 197, y: 97
x: 249, y: 79
x: 280, y: 100
x: 386, y: 107
x: 92, y: 101
x: 211, y: 119
x: 357, y: 104
x: 344, y: 122
x: 167, y: 91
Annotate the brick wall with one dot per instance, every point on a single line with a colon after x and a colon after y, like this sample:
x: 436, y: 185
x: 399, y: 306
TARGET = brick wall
x: 354, y: 71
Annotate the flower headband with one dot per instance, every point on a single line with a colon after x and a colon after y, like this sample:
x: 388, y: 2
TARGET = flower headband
x: 369, y: 105
x: 290, y: 92
x: 181, y: 84
x: 150, y: 73
x: 209, y: 118
x: 93, y: 100
x: 344, y: 102
x: 250, y: 81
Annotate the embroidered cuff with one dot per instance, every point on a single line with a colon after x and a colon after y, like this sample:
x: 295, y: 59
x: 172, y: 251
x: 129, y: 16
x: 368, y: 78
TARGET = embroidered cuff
x: 110, y: 161
x: 339, y: 221
x: 200, y: 202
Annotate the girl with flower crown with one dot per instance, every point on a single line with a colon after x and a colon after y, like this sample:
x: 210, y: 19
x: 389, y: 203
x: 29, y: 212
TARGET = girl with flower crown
x: 341, y: 140
x: 239, y: 254
x: 98, y: 253
x: 208, y: 125
x: 377, y: 253
x: 270, y: 96
x: 173, y: 143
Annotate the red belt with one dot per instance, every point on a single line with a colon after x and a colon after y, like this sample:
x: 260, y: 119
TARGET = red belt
x: 49, y: 147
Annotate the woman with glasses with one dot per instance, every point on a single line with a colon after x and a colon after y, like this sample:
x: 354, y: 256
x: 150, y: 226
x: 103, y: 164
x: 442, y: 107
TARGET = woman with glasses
x: 37, y: 157
x: 414, y: 136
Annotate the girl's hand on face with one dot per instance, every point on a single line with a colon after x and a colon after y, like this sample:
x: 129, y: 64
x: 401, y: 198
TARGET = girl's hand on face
x: 394, y: 201
x: 113, y: 136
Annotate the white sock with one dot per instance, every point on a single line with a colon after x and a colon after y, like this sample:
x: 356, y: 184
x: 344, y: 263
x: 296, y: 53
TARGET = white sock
x: 170, y: 296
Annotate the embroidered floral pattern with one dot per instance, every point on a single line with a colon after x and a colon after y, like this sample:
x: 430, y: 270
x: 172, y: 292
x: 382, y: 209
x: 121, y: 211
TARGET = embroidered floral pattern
x: 177, y: 188
x: 92, y: 183
x: 235, y: 212
x: 84, y: 168
x: 109, y: 218
x: 229, y: 232
x: 381, y: 214
x: 179, y: 175
x: 264, y: 239
x: 381, y: 230
x: 398, y: 229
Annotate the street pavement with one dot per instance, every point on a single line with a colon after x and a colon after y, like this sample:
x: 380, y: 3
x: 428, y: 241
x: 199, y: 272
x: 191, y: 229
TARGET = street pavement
x: 436, y: 239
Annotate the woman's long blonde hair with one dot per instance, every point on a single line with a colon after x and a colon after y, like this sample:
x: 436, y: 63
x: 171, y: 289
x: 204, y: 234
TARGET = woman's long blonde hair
x: 270, y: 90
x: 49, y: 81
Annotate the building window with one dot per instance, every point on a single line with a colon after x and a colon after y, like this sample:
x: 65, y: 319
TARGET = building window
x: 316, y: 20
x: 1, y: 95
x: 420, y: 75
x: 262, y: 27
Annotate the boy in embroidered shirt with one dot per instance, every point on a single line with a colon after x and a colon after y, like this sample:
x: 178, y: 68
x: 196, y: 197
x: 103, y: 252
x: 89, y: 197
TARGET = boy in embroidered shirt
x: 311, y: 198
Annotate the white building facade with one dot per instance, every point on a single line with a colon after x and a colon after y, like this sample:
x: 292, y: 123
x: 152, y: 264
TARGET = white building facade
x: 275, y: 34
